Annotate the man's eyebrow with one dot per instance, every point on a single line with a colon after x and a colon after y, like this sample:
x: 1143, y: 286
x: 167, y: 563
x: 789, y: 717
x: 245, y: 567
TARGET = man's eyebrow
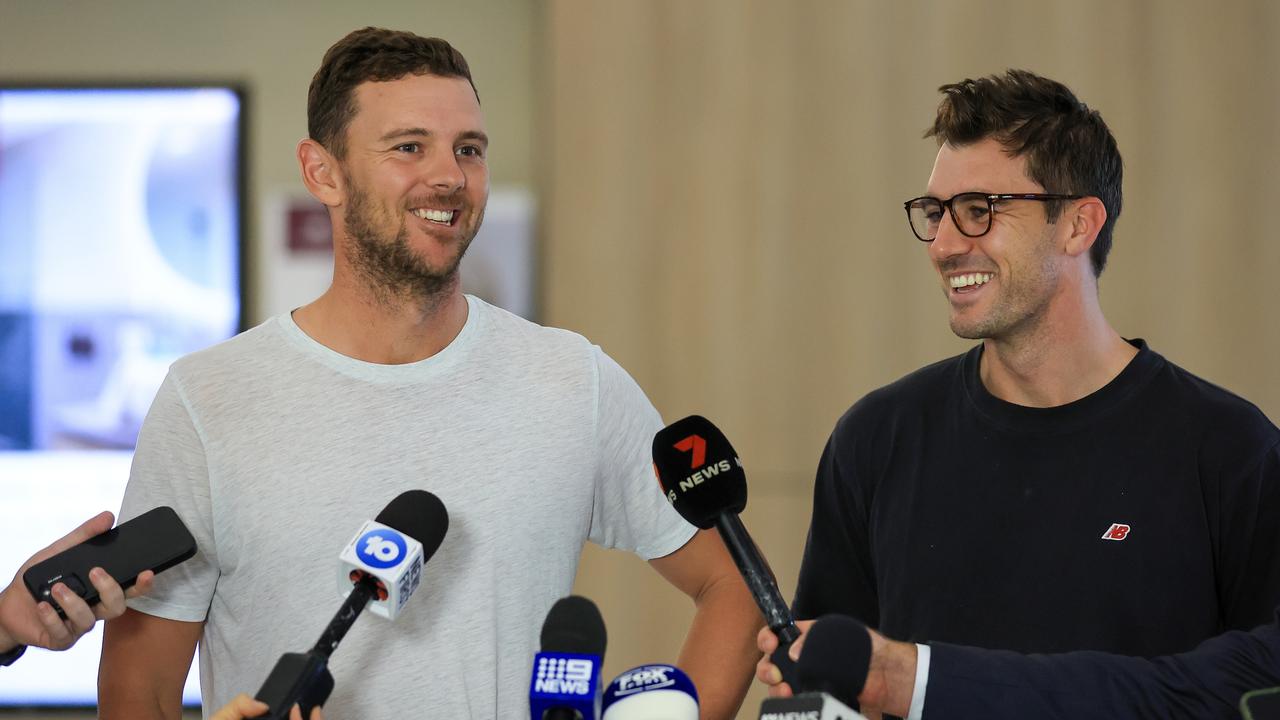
x: 405, y: 132
x: 475, y: 135
x: 401, y: 133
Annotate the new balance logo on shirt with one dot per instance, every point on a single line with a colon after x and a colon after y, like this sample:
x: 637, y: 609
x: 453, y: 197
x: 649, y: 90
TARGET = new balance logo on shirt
x: 1117, y: 531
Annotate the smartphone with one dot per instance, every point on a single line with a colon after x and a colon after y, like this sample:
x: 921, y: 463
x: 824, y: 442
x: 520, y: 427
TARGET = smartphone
x: 155, y: 540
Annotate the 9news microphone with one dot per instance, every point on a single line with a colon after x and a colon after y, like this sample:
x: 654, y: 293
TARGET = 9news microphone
x: 379, y: 568
x: 832, y: 670
x: 566, y: 673
x: 703, y: 479
x: 651, y: 692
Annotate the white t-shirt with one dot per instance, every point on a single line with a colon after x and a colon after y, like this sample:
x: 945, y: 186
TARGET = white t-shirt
x: 274, y: 449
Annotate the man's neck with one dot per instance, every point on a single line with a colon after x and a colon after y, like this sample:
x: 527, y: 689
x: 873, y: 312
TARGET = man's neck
x: 1057, y: 362
x: 379, y: 329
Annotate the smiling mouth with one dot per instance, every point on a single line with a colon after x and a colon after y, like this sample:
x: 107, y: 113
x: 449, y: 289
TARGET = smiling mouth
x: 969, y: 282
x: 438, y: 217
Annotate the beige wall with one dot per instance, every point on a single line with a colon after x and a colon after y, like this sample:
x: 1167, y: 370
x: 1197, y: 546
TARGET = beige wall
x: 722, y: 180
x: 724, y: 212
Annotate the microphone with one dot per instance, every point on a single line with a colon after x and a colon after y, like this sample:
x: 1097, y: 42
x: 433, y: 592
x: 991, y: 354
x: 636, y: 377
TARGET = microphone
x: 565, y: 683
x: 703, y: 479
x: 832, y: 670
x: 835, y: 658
x: 381, y: 567
x: 651, y: 692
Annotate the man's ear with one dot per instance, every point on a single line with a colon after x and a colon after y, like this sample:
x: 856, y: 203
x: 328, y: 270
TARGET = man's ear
x: 321, y: 173
x: 1085, y: 218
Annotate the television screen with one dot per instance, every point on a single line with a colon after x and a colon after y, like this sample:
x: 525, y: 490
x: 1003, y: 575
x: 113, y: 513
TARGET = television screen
x: 120, y: 250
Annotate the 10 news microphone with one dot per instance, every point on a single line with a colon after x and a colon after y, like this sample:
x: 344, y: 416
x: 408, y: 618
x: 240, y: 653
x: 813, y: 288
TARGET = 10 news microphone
x: 380, y: 569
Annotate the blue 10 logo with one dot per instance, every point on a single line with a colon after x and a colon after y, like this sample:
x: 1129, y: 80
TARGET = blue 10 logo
x: 381, y: 548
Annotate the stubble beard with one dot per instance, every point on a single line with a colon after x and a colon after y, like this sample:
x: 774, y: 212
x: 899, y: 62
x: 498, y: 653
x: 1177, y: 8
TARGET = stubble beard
x: 1018, y: 311
x: 392, y: 271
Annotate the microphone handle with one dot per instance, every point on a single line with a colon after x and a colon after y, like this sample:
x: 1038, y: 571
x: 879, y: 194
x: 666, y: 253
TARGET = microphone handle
x: 301, y: 679
x: 758, y: 577
x: 361, y: 592
x: 764, y: 589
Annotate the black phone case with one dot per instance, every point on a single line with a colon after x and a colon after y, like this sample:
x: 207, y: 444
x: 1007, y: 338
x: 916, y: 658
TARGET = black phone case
x: 155, y: 540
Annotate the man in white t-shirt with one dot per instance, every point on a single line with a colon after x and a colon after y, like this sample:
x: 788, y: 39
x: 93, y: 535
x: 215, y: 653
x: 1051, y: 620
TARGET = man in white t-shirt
x: 275, y: 445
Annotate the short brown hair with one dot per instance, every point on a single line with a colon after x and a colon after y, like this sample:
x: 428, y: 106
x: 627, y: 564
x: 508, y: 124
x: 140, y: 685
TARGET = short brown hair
x: 1069, y: 149
x: 371, y: 55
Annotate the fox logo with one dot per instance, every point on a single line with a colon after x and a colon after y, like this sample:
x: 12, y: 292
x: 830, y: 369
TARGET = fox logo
x: 1117, y: 531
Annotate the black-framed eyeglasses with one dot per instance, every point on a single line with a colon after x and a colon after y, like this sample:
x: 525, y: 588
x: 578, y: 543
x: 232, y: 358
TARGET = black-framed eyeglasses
x: 971, y: 211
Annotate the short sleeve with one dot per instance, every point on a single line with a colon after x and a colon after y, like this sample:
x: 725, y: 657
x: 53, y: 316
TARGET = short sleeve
x: 170, y: 468
x: 629, y: 511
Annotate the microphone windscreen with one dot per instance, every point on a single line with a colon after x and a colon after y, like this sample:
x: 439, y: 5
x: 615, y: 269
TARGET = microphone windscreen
x: 699, y: 471
x: 835, y: 658
x: 420, y: 515
x: 574, y: 625
x: 651, y: 692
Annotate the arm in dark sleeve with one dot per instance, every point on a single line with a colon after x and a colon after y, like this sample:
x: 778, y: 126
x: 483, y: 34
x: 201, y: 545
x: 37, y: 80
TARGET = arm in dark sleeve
x: 837, y: 574
x: 1248, y: 552
x: 1204, y: 683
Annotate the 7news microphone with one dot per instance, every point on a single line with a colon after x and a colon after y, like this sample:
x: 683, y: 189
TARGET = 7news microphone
x: 566, y: 673
x: 831, y: 672
x: 380, y: 568
x: 703, y: 478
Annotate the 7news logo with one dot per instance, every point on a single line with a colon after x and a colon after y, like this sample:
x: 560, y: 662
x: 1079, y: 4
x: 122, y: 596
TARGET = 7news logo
x: 696, y: 445
x: 564, y: 676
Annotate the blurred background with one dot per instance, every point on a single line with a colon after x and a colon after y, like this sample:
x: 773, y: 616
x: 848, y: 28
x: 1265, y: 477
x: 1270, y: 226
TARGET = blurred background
x: 712, y: 191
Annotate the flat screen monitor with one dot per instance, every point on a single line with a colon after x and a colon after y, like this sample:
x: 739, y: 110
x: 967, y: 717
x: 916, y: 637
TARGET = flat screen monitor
x: 121, y: 246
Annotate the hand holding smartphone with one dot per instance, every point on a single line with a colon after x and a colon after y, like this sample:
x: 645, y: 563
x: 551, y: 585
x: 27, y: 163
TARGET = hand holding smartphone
x: 155, y: 540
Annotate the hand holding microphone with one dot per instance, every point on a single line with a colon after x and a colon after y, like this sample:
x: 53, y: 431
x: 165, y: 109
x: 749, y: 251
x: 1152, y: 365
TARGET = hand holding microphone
x: 841, y: 663
x: 703, y: 479
x: 242, y: 706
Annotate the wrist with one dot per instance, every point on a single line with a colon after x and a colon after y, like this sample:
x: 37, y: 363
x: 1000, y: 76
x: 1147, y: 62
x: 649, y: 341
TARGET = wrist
x: 896, y: 663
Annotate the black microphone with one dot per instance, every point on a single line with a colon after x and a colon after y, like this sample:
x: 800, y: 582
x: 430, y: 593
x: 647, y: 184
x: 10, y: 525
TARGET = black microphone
x: 836, y: 658
x: 703, y: 479
x: 565, y: 683
x: 832, y: 670
x: 383, y: 563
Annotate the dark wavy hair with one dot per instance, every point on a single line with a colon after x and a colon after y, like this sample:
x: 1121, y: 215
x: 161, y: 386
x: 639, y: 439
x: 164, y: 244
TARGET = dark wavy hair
x: 1067, y: 146
x: 377, y: 55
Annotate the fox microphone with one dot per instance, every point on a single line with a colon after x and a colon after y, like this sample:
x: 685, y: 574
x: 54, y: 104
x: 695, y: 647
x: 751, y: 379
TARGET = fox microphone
x: 832, y: 670
x: 566, y: 674
x: 380, y: 568
x: 703, y: 479
x: 651, y: 692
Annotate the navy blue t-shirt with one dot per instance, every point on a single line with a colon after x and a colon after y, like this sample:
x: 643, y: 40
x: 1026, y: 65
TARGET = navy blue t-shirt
x: 1141, y: 519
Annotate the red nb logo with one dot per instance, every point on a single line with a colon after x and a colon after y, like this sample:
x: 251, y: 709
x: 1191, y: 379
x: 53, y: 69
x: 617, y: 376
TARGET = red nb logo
x: 1117, y: 531
x: 697, y: 446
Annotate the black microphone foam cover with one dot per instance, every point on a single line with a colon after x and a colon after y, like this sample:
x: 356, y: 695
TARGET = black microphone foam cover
x: 835, y: 658
x: 574, y: 625
x: 420, y: 515
x: 699, y: 471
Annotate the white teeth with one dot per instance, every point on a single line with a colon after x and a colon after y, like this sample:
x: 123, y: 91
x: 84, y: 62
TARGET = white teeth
x: 960, y: 281
x: 440, y: 216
